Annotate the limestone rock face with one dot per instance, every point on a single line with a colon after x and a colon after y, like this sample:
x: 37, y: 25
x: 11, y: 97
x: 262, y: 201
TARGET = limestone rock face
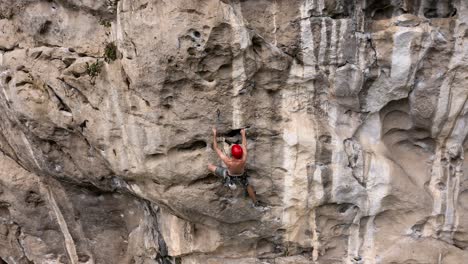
x: 356, y: 115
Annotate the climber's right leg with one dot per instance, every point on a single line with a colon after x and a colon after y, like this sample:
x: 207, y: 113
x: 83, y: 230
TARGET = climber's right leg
x: 212, y: 168
x: 218, y: 170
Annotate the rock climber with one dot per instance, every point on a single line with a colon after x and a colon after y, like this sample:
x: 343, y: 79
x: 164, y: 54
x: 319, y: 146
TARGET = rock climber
x: 235, y: 171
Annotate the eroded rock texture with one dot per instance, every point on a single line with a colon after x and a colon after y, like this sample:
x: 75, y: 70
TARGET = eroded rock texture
x: 357, y: 121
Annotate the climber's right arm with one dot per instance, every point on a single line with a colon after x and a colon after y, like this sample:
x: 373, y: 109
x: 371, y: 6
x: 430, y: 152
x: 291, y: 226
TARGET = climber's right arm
x: 221, y: 155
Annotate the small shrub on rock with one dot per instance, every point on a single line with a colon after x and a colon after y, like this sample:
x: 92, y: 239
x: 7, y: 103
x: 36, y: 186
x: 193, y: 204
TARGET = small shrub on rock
x: 110, y: 52
x: 94, y: 68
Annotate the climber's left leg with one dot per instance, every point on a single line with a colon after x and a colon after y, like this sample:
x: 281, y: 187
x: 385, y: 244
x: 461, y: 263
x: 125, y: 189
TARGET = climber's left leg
x: 212, y: 168
x: 251, y: 192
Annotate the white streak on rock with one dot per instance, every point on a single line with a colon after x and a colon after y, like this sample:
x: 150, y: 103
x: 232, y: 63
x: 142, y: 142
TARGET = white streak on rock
x: 307, y: 40
x: 452, y: 186
x: 2, y: 74
x: 321, y: 6
x: 378, y: 187
x: 241, y: 36
x: 69, y: 243
x: 334, y: 42
x: 275, y: 27
x: 436, y: 178
x: 299, y: 148
x: 445, y: 105
x: 116, y: 114
x: 30, y: 149
x: 354, y: 240
x: 323, y: 42
x: 401, y: 55
x: 315, y: 236
x: 377, y: 184
x: 343, y: 29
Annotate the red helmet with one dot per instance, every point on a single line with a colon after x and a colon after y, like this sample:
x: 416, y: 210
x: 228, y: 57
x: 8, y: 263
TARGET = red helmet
x: 236, y: 151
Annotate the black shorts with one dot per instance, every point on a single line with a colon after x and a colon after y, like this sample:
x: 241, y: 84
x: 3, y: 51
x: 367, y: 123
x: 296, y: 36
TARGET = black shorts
x: 242, y: 180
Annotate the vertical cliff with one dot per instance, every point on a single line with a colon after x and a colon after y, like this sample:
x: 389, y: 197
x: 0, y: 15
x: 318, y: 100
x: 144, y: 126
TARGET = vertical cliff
x: 356, y: 114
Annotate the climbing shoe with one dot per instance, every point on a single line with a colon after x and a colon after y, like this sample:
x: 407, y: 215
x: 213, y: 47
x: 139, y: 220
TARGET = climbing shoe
x: 232, y: 186
x: 228, y: 183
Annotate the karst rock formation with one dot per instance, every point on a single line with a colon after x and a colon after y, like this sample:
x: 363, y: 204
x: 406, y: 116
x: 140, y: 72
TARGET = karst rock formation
x: 355, y: 111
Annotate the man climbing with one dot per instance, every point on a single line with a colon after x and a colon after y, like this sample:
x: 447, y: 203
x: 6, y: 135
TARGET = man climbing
x: 235, y: 171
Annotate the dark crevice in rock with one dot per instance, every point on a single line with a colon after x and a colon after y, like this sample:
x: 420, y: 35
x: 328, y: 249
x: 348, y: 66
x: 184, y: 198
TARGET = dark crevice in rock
x: 80, y: 94
x: 37, y: 54
x: 76, y: 74
x: 34, y: 199
x: 24, y: 258
x: 365, y: 90
x: 380, y: 9
x: 191, y: 146
x: 45, y: 27
x: 323, y: 152
x: 454, y: 12
x: 208, y: 179
x: 372, y: 46
x: 155, y: 156
x: 23, y: 83
x: 232, y: 133
x: 435, y: 11
x: 125, y: 77
x: 257, y: 44
x: 4, y: 49
x: 83, y: 125
x: 68, y: 61
x: 163, y: 253
x: 386, y: 9
x: 134, y: 48
x: 45, y: 44
x: 4, y: 211
x: 62, y: 106
x: 88, y: 187
x: 83, y: 258
x: 87, y: 55
x: 94, y: 150
x: 108, y: 13
x: 463, y: 245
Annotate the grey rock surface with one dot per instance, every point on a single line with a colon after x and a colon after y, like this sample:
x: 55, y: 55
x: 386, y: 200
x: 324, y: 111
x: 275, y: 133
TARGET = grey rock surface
x: 356, y: 115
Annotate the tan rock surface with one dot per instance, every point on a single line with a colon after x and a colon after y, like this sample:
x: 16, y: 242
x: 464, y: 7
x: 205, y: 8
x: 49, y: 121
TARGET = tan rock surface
x: 356, y: 116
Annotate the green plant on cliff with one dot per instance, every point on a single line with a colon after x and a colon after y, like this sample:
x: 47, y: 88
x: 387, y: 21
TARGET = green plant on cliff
x: 94, y: 68
x: 105, y: 23
x: 110, y: 52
